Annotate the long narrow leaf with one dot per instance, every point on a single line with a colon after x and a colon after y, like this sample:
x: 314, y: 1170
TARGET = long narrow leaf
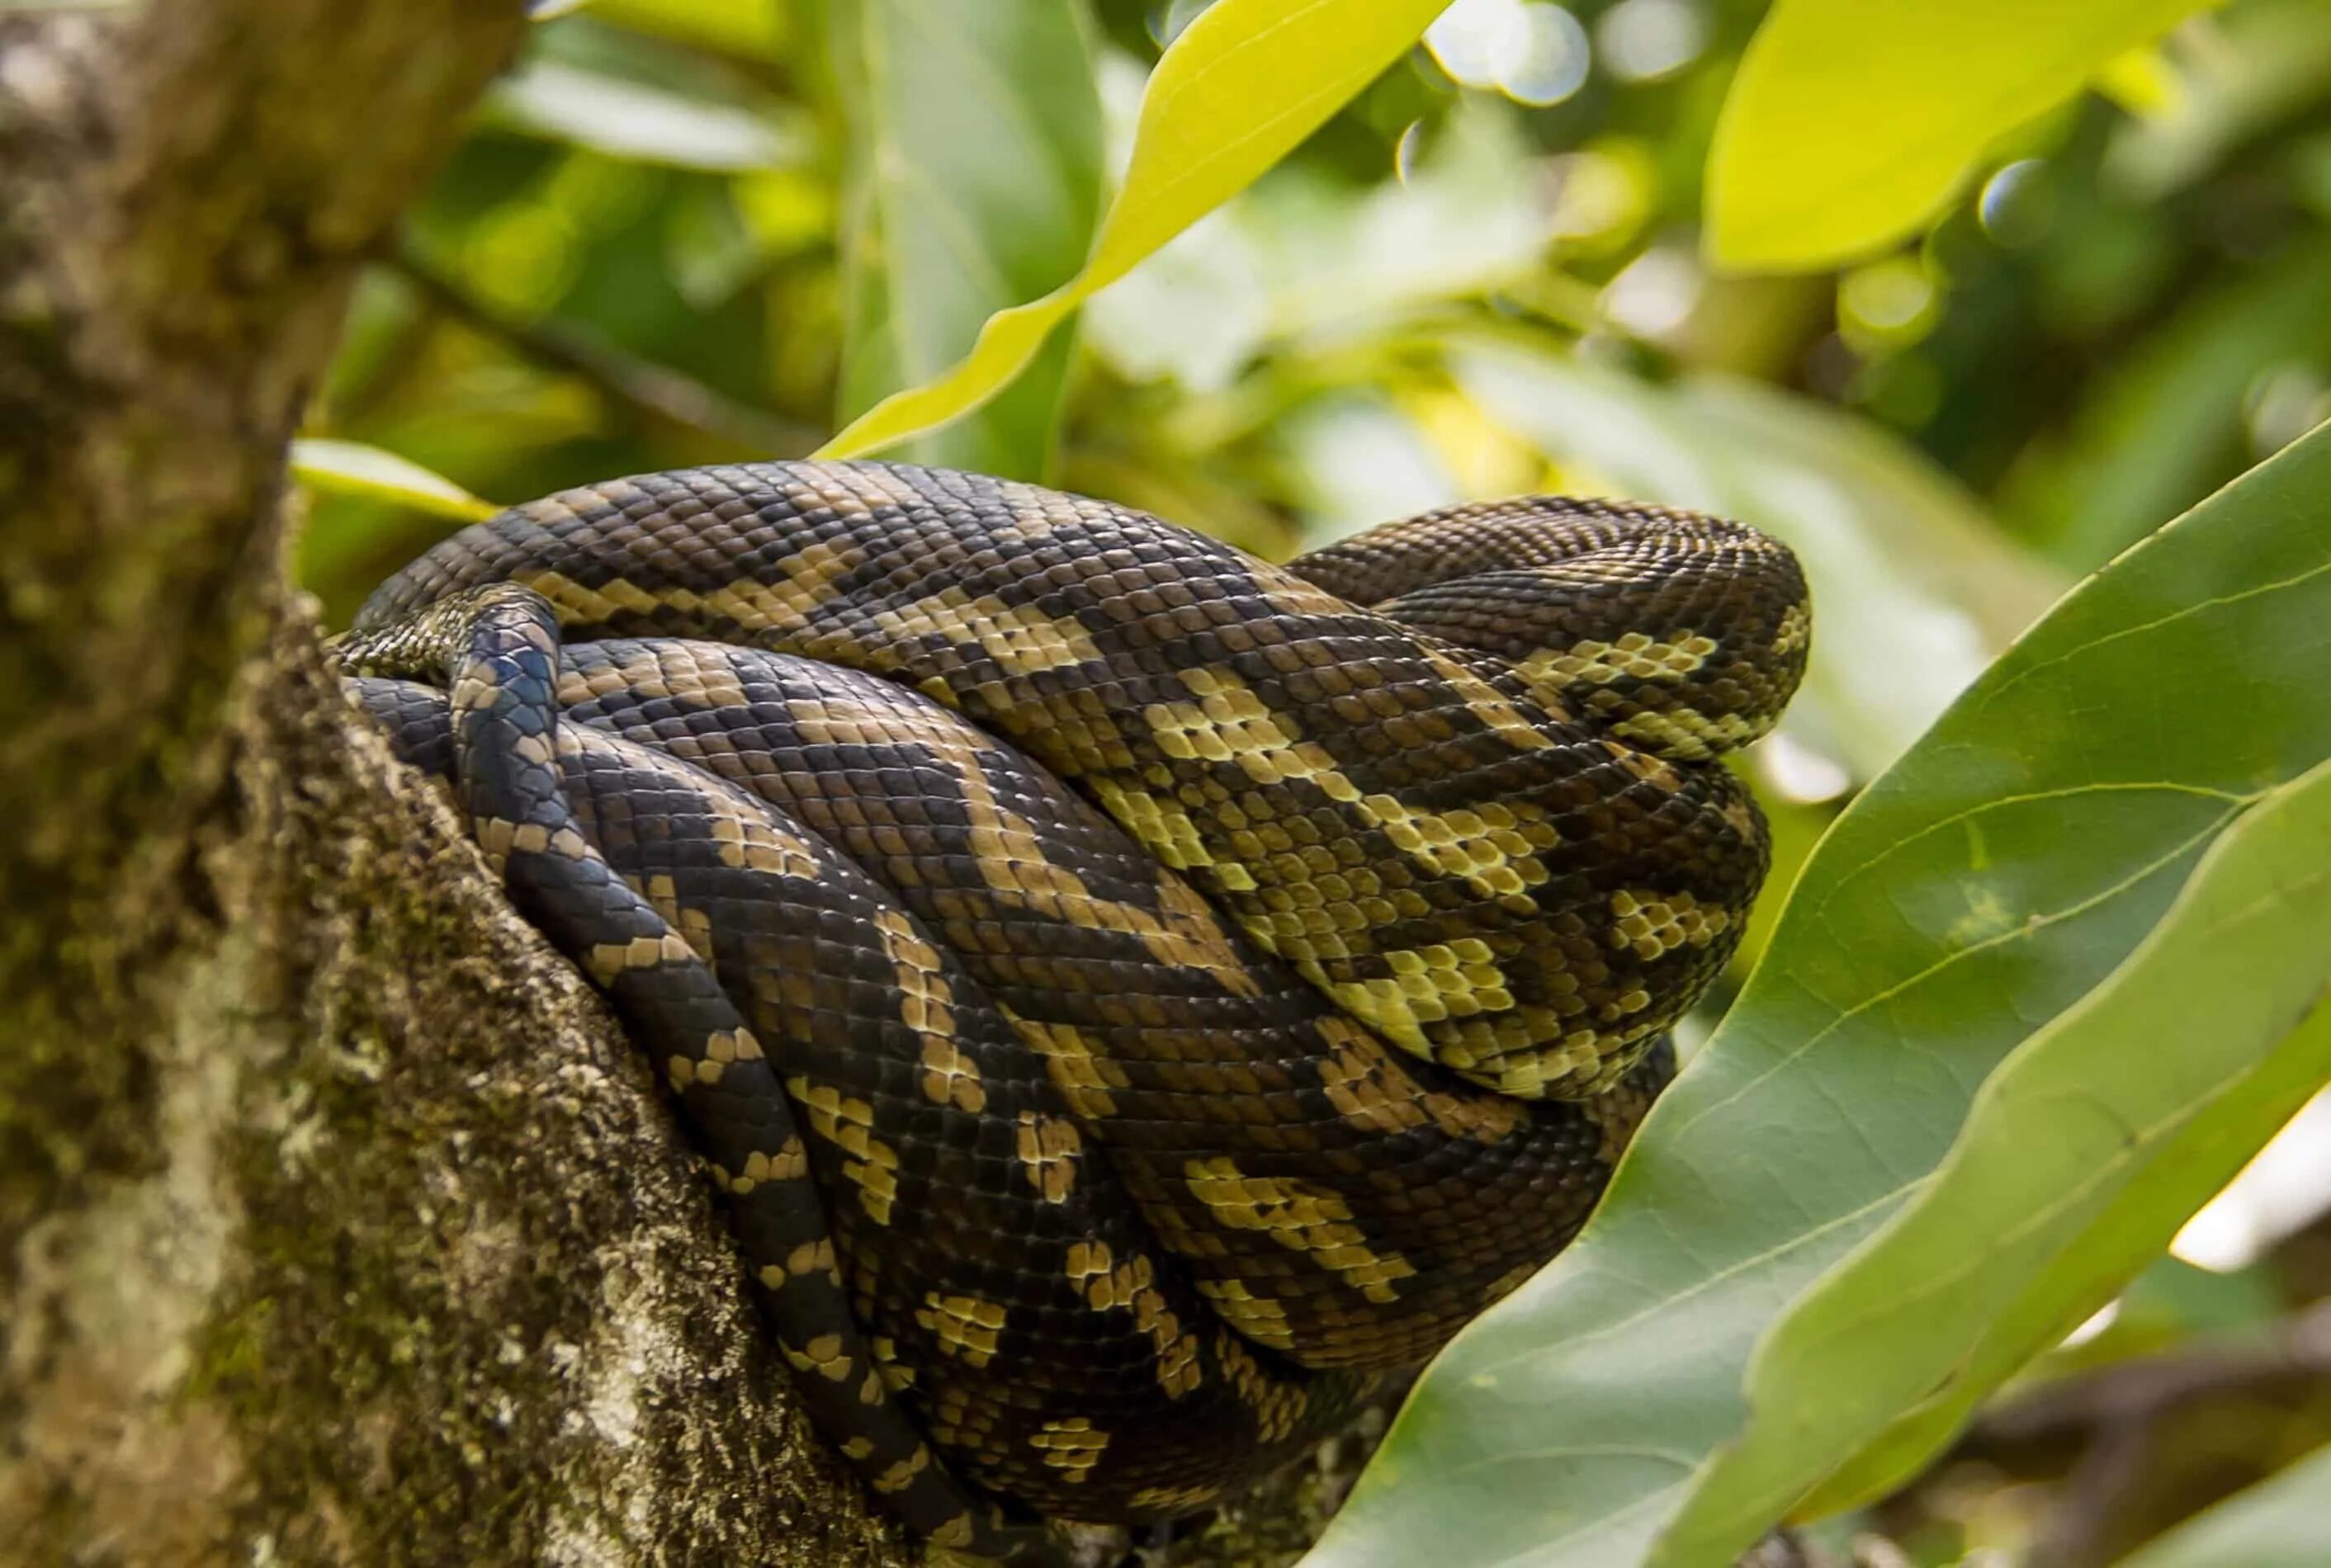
x: 350, y: 467
x: 977, y: 181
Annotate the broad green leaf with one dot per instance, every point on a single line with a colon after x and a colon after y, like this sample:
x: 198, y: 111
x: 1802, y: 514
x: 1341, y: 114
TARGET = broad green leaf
x: 350, y: 467
x: 2080, y: 1159
x: 1850, y: 123
x: 2008, y: 863
x: 644, y: 124
x: 1236, y: 91
x: 2280, y: 1522
x: 1914, y: 592
x: 977, y: 154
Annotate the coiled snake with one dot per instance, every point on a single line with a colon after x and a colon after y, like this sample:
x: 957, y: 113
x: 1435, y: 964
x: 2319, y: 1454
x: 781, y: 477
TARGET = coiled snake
x: 1131, y: 995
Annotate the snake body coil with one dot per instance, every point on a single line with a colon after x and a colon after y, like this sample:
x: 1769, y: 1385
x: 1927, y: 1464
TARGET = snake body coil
x: 1194, y: 986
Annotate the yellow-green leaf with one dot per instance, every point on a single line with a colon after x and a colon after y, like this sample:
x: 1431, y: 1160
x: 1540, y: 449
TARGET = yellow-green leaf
x: 350, y: 467
x: 1242, y: 86
x: 976, y: 135
x: 1851, y: 122
x: 2143, y: 82
x: 748, y: 29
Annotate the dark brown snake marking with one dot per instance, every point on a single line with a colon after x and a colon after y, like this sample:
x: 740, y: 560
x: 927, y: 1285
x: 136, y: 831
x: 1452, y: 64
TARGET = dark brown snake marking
x: 911, y: 876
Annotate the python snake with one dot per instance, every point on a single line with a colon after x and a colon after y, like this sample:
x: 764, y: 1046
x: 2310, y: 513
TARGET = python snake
x: 1131, y: 995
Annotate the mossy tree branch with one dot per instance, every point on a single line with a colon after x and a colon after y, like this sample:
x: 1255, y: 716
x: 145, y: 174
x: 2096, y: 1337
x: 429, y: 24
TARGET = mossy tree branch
x: 337, y: 1224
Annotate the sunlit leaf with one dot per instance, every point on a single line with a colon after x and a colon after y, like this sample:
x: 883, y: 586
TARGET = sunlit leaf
x: 2080, y: 1158
x: 2281, y: 1522
x: 2011, y: 862
x: 350, y: 467
x: 629, y: 119
x: 978, y: 181
x: 1235, y: 92
x: 1850, y: 123
x: 2143, y: 83
x: 748, y: 29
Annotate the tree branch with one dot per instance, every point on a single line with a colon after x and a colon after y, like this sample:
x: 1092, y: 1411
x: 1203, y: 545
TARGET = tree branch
x: 191, y: 190
x: 654, y: 392
x: 338, y: 1223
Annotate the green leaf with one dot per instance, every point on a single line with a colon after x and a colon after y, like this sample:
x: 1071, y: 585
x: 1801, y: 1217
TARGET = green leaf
x: 2283, y: 1520
x: 640, y: 123
x: 1850, y: 123
x: 1306, y: 253
x: 977, y: 143
x: 747, y: 29
x: 2071, y: 1172
x: 1914, y: 591
x: 2014, y: 859
x: 350, y: 467
x: 2143, y: 82
x: 2160, y: 427
x: 1236, y: 91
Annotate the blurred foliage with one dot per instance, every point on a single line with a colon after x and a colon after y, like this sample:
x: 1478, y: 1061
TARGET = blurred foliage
x: 693, y: 231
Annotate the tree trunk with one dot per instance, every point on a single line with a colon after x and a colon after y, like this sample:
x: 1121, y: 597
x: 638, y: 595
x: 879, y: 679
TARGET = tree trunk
x: 337, y: 1221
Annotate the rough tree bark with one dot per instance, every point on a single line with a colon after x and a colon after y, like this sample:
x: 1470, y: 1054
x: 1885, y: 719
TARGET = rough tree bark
x: 337, y: 1224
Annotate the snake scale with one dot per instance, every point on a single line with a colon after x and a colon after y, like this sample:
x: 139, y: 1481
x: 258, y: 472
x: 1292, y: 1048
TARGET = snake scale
x: 1132, y: 995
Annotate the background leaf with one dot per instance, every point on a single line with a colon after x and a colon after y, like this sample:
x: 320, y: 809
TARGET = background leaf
x: 752, y: 29
x: 975, y: 183
x: 2011, y: 861
x: 2163, y: 424
x: 350, y: 467
x: 1239, y: 87
x: 631, y: 119
x: 1850, y: 123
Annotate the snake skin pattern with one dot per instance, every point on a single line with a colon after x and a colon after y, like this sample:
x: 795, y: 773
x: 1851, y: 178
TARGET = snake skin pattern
x: 1132, y: 995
